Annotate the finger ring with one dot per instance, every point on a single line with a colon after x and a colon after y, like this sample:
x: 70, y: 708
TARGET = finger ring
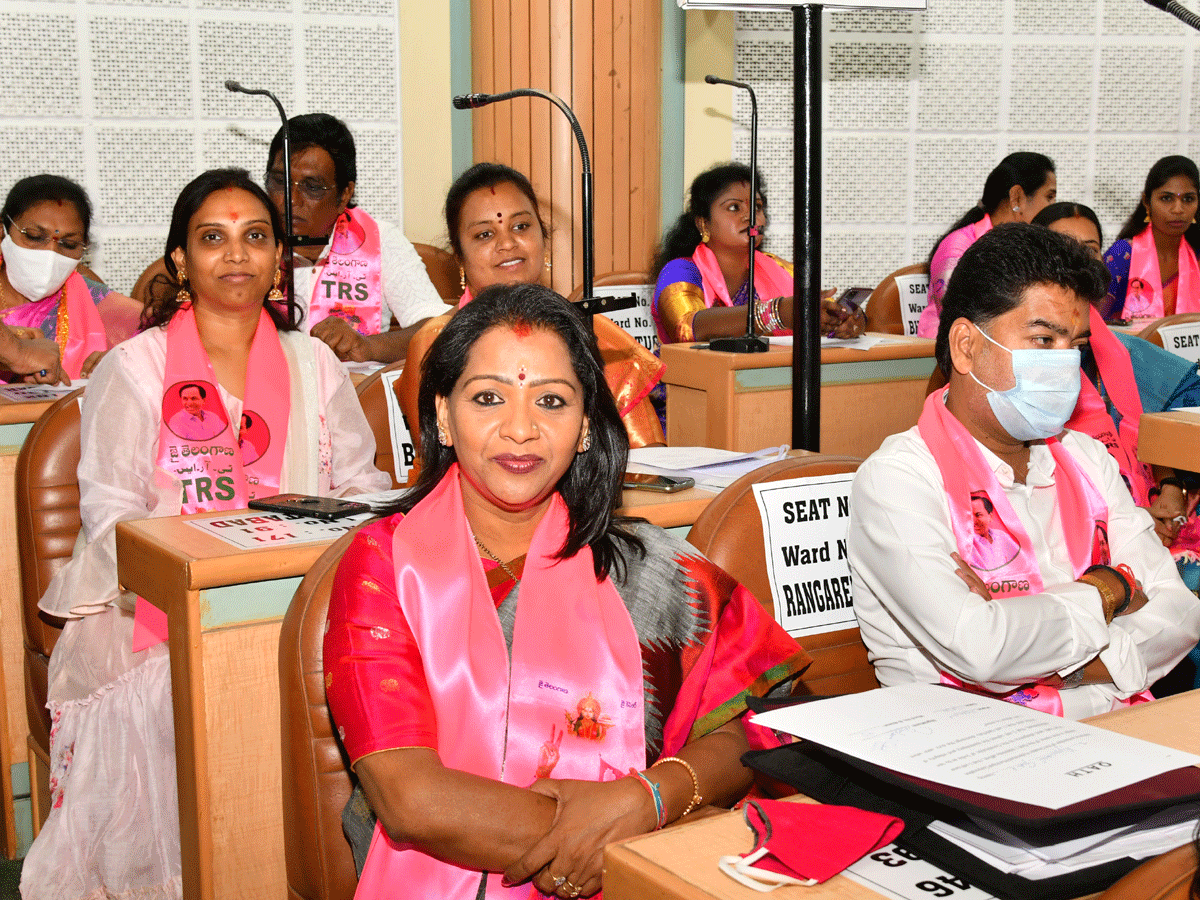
x: 560, y: 881
x: 42, y: 373
x: 574, y: 891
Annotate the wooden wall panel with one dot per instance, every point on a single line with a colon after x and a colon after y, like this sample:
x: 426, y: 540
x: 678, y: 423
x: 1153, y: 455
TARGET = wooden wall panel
x: 603, y: 58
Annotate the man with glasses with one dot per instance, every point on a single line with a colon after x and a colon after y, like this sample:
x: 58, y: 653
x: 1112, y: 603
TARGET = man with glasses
x: 353, y: 274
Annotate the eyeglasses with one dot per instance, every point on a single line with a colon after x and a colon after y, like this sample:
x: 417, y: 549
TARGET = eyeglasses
x: 311, y: 188
x: 42, y: 240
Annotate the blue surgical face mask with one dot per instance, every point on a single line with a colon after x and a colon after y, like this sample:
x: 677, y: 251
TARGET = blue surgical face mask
x: 1044, y: 393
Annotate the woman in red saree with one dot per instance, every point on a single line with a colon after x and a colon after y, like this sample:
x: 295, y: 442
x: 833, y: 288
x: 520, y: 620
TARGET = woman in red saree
x: 518, y: 677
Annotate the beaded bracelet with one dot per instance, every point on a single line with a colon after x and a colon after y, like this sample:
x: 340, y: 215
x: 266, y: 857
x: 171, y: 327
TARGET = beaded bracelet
x: 696, y: 798
x: 659, y: 810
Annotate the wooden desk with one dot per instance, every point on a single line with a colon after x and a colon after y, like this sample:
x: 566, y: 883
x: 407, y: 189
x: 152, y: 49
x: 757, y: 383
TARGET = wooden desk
x: 16, y: 823
x: 743, y: 402
x: 224, y: 609
x: 1170, y: 439
x: 681, y: 863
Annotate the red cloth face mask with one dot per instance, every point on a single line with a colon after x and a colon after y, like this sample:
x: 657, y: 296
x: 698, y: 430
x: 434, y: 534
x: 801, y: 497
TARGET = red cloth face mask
x: 805, y: 843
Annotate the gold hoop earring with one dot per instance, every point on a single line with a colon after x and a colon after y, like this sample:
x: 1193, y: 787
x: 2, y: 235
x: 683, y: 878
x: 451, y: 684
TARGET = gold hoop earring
x: 276, y: 295
x: 182, y: 295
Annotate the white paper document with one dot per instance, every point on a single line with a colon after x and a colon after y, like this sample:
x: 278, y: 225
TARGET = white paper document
x: 711, y: 468
x: 39, y: 393
x: 256, y: 529
x: 978, y: 743
x: 862, y: 342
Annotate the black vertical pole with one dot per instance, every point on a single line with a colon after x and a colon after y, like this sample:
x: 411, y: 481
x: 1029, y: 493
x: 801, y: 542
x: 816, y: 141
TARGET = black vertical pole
x: 806, y: 151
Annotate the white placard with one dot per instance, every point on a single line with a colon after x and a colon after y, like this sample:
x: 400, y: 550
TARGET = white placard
x: 39, y: 393
x: 804, y: 535
x: 900, y: 874
x: 255, y: 530
x: 404, y: 451
x: 1182, y: 340
x: 638, y: 320
x: 978, y: 743
x: 914, y: 296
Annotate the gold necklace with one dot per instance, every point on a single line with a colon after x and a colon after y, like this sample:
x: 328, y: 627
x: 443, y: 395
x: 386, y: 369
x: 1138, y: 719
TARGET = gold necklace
x: 497, y: 560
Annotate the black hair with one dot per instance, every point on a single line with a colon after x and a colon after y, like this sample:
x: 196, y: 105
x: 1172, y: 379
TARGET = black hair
x: 29, y: 192
x: 484, y: 175
x: 591, y: 487
x: 1067, y: 210
x: 199, y: 387
x: 683, y: 237
x: 1025, y: 168
x: 985, y: 500
x: 327, y: 132
x: 1160, y: 173
x: 992, y: 276
x: 164, y: 301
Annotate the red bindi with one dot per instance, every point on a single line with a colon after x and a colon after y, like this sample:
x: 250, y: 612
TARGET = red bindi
x: 522, y: 329
x: 521, y: 376
x: 234, y: 216
x: 492, y: 188
x: 60, y: 203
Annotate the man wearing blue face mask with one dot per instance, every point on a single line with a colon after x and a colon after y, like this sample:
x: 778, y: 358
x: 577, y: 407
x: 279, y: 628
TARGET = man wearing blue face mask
x: 1089, y: 611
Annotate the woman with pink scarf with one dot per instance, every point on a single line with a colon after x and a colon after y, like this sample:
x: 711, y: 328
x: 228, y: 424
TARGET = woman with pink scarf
x: 46, y: 221
x: 519, y: 677
x: 1153, y: 262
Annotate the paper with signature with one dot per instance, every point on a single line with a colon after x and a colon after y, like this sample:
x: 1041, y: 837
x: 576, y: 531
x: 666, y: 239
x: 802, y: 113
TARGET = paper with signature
x: 978, y: 743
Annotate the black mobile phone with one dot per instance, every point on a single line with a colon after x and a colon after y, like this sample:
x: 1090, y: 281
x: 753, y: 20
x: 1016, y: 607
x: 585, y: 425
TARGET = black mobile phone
x: 328, y: 509
x: 665, y: 484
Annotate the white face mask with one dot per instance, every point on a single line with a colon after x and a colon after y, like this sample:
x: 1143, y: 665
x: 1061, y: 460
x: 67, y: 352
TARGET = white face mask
x: 1043, y: 395
x: 35, y: 274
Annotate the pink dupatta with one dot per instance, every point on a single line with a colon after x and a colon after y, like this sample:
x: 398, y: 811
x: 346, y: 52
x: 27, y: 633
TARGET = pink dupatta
x: 1144, y: 300
x: 571, y: 705
x: 771, y: 280
x: 80, y: 331
x: 966, y: 475
x: 1091, y: 416
x: 350, y: 284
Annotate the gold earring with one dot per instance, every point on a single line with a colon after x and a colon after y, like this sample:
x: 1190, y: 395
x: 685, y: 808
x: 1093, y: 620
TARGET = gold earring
x: 547, y: 263
x: 462, y: 278
x: 182, y: 295
x: 276, y: 295
x: 1147, y: 219
x: 704, y: 235
x: 443, y: 438
x: 586, y: 444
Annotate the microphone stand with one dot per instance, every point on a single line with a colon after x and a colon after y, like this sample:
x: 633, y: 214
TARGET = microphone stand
x: 289, y: 239
x: 748, y: 342
x: 1179, y: 11
x: 589, y: 304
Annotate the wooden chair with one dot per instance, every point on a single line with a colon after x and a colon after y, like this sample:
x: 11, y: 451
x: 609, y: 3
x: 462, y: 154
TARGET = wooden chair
x: 442, y: 269
x: 1166, y: 877
x: 316, y: 775
x: 372, y: 397
x: 408, y: 387
x: 883, y: 306
x: 48, y: 523
x: 1150, y: 332
x: 729, y: 532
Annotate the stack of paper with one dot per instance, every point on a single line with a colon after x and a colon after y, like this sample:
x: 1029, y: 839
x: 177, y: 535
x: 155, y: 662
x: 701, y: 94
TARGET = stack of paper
x: 712, y: 469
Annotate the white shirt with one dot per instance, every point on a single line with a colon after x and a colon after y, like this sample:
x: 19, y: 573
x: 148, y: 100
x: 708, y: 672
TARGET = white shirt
x: 918, y: 618
x: 409, y: 296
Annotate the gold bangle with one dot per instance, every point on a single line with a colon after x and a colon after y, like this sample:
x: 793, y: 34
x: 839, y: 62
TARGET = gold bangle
x: 696, y: 798
x: 1108, y: 598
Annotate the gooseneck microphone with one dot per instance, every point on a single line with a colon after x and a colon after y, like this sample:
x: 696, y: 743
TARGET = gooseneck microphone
x: 474, y: 101
x: 1179, y: 11
x: 289, y: 239
x: 748, y: 342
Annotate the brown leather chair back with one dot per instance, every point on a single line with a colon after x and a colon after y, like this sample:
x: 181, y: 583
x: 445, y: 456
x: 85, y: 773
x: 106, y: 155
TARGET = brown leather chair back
x: 409, y: 385
x: 729, y: 532
x: 612, y: 279
x: 1150, y: 332
x: 1166, y: 877
x: 883, y: 306
x: 442, y: 269
x: 48, y: 522
x: 316, y: 775
x: 372, y: 396
x: 141, y: 290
